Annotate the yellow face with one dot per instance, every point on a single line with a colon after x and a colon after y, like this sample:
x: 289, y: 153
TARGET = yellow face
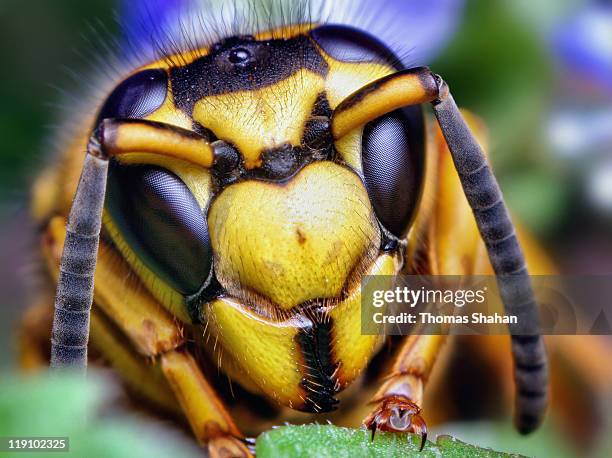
x: 267, y: 250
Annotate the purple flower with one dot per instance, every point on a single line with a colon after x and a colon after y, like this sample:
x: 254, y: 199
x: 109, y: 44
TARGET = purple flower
x: 142, y: 20
x: 421, y: 27
x: 583, y: 45
x: 416, y: 29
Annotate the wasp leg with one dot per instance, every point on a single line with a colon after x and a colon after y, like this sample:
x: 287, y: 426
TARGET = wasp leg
x: 138, y: 319
x: 205, y: 411
x: 445, y: 218
x: 174, y: 383
x: 34, y: 352
x: 142, y: 378
x: 397, y: 402
x: 149, y: 327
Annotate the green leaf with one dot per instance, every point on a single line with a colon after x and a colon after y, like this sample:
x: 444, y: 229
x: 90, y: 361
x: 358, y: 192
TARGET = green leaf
x: 333, y: 441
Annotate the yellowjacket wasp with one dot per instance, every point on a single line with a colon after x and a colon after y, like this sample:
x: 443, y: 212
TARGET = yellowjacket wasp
x: 239, y: 191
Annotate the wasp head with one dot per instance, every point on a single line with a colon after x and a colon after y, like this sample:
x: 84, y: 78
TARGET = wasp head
x: 270, y: 245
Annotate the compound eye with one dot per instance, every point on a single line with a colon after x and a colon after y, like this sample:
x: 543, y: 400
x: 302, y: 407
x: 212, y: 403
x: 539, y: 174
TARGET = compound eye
x: 137, y: 96
x: 161, y: 221
x: 393, y: 166
x: 349, y: 44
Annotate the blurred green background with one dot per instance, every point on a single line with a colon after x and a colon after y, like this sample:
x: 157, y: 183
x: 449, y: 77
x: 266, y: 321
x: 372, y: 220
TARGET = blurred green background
x: 500, y: 64
x: 43, y: 44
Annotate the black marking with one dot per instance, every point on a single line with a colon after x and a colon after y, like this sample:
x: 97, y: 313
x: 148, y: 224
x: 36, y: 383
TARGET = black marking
x: 137, y: 96
x: 319, y: 383
x: 210, y: 290
x: 317, y: 133
x: 280, y: 163
x: 228, y: 166
x: 321, y: 106
x: 241, y: 63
